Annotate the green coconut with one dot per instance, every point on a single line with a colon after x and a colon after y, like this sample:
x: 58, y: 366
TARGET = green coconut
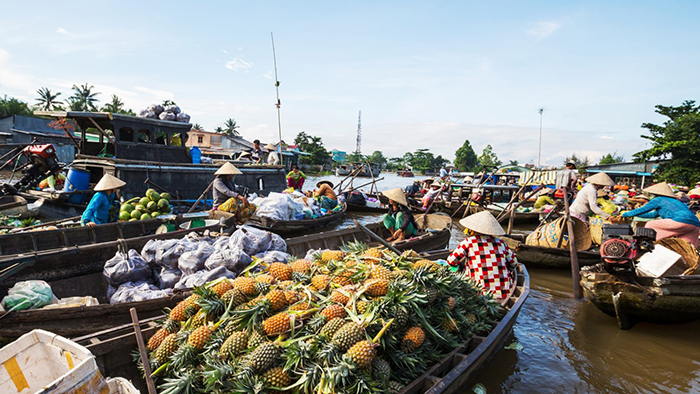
x: 126, y: 208
x: 152, y: 206
x: 135, y: 214
x: 165, y: 196
x: 155, y: 214
x: 163, y: 205
x: 141, y: 208
x: 124, y: 215
x: 143, y: 201
x: 152, y: 195
x: 133, y: 220
x: 145, y: 216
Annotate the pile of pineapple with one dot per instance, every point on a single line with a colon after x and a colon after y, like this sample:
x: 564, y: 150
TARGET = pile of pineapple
x: 357, y: 320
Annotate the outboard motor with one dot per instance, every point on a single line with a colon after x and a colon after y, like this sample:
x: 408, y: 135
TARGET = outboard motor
x: 621, y: 246
x: 41, y: 162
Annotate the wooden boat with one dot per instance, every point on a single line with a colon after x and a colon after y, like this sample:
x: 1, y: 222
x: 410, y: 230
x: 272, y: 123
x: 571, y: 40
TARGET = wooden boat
x: 542, y: 257
x: 405, y: 173
x: 436, y: 233
x: 358, y: 170
x: 113, y: 348
x: 291, y: 227
x: 20, y: 207
x: 630, y: 298
x: 520, y: 217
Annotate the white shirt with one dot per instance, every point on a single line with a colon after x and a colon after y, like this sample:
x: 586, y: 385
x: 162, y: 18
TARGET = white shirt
x: 586, y: 201
x: 273, y: 159
x: 566, y: 177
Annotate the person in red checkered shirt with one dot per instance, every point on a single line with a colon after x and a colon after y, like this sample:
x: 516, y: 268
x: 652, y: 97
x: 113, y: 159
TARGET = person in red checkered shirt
x: 483, y: 256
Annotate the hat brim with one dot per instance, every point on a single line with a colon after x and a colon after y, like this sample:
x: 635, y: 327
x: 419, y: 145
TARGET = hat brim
x: 329, y: 183
x: 228, y: 169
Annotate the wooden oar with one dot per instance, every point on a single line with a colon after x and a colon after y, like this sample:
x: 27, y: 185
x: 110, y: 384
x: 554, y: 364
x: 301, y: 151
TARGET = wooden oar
x: 575, y: 270
x: 143, y: 352
x: 376, y: 237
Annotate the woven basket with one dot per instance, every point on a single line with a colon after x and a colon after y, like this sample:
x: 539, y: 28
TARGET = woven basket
x: 596, y: 228
x: 686, y: 250
x: 548, y: 234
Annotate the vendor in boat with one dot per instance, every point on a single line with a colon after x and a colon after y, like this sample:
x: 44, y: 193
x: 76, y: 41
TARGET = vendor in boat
x: 483, y: 256
x: 273, y: 158
x: 326, y: 195
x: 544, y: 198
x: 399, y: 220
x: 226, y: 198
x: 296, y: 178
x: 587, y: 199
x: 97, y: 211
x: 413, y: 189
x: 431, y: 195
x: 257, y: 153
x: 676, y: 219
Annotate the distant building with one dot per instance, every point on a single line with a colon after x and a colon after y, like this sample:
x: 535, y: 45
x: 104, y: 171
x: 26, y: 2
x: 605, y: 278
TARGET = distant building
x: 627, y: 173
x: 217, y: 145
x: 18, y: 130
x: 339, y: 156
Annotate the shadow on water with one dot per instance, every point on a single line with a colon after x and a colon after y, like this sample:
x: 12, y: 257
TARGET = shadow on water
x: 571, y: 347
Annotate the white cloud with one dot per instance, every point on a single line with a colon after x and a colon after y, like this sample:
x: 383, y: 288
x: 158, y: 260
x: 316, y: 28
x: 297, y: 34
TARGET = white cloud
x: 239, y: 64
x: 544, y: 29
x: 64, y: 32
x: 606, y: 137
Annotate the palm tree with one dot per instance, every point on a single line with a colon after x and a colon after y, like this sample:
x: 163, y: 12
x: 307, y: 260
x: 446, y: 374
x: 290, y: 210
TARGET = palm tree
x: 48, y: 101
x: 230, y: 128
x: 84, y: 98
x: 219, y: 130
x: 115, y: 107
x: 197, y: 126
x: 12, y: 106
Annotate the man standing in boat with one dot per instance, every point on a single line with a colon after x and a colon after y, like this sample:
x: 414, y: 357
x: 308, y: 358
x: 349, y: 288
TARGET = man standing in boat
x: 567, y: 178
x: 97, y: 211
x: 256, y: 154
x: 483, y: 256
x: 399, y: 220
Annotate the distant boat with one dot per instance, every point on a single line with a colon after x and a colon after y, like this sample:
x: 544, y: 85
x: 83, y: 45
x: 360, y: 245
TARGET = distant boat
x: 405, y: 173
x: 358, y: 169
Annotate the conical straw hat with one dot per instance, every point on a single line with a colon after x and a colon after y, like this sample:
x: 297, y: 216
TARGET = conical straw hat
x: 483, y: 223
x: 228, y: 169
x: 695, y: 191
x: 661, y: 189
x: 270, y: 147
x: 109, y: 182
x: 601, y: 179
x: 396, y: 195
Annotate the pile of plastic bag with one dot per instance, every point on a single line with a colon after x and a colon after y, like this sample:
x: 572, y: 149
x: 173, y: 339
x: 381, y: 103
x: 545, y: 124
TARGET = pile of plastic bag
x: 288, y: 206
x: 171, y: 113
x: 178, y: 264
x: 31, y: 294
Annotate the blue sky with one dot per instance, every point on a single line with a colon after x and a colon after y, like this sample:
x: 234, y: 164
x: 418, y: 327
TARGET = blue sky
x: 424, y: 74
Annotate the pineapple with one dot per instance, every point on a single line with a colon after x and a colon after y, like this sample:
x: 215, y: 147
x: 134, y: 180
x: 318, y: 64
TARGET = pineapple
x: 320, y: 282
x: 199, y: 337
x: 395, y: 387
x: 265, y: 278
x: 300, y: 306
x: 300, y: 266
x: 234, y: 345
x: 344, y: 278
x: 413, y: 339
x: 448, y: 325
x: 377, y: 287
x: 166, y: 349
x: 400, y: 317
x: 347, y: 335
x: 471, y: 318
x: 157, y: 339
x: 331, y: 327
x: 281, y: 271
x: 222, y: 287
x: 236, y: 295
x: 185, y: 308
x: 451, y: 303
x: 262, y: 287
x: 332, y: 311
x: 374, y: 253
x: 293, y: 296
x: 255, y: 339
x: 278, y: 300
x: 171, y: 326
x: 329, y: 255
x: 380, y: 272
x: 263, y: 356
x: 277, y: 378
x: 362, y: 353
x: 342, y: 295
x: 433, y: 266
x: 362, y: 306
x: 277, y: 324
x: 245, y: 284
x: 381, y: 369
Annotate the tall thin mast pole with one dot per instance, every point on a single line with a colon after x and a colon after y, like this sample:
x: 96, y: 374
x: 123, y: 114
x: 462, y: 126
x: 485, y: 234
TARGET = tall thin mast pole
x: 539, y: 152
x: 277, y: 89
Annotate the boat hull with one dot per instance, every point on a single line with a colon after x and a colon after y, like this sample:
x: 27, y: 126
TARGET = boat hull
x: 294, y: 227
x: 664, y: 300
x: 541, y: 257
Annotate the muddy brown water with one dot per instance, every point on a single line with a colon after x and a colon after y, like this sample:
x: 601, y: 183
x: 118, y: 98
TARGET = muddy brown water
x: 569, y: 346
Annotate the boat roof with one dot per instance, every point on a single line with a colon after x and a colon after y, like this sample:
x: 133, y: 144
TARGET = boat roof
x: 104, y: 119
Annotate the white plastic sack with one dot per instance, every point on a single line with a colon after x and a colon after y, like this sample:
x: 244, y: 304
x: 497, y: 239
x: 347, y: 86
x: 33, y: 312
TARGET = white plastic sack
x: 202, y: 277
x: 234, y: 260
x: 273, y: 256
x: 30, y: 294
x: 193, y: 260
x: 167, y: 278
x: 148, y: 252
x: 126, y: 267
x: 138, y: 291
x: 250, y: 240
x: 274, y: 206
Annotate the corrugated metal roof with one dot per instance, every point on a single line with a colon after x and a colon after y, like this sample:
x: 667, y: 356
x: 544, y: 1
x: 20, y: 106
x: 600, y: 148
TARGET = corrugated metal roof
x: 30, y: 125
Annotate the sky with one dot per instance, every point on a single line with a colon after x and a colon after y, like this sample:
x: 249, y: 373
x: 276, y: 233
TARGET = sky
x: 424, y: 74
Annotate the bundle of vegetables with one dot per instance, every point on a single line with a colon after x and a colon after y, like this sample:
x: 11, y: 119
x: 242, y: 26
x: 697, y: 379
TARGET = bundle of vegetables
x: 352, y: 321
x: 142, y: 208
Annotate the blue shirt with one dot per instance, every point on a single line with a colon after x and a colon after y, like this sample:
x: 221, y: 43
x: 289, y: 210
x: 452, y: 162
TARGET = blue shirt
x: 665, y: 208
x: 97, y: 210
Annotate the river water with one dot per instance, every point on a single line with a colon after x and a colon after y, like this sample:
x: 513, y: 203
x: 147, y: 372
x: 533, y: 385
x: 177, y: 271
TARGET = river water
x: 569, y: 346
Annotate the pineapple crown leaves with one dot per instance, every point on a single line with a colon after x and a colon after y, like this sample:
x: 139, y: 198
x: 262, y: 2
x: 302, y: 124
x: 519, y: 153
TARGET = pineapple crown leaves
x: 249, y: 384
x: 298, y: 356
x: 354, y: 247
x: 249, y: 318
x: 183, y: 382
x: 217, y: 373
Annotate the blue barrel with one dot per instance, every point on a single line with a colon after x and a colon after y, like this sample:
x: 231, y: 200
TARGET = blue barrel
x: 77, y: 179
x: 196, y: 155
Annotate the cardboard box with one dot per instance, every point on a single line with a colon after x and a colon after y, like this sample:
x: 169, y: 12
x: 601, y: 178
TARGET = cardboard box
x: 661, y: 262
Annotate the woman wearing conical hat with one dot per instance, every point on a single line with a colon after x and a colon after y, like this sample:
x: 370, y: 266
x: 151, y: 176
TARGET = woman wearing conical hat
x: 399, y: 220
x: 483, y: 256
x: 676, y: 220
x: 97, y: 211
x: 587, y: 198
x: 225, y: 196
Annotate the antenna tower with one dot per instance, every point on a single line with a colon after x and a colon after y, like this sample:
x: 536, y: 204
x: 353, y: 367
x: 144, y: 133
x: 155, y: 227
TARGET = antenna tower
x: 358, y: 149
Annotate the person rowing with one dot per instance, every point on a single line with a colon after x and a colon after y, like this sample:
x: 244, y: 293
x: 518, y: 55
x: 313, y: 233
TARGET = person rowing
x: 675, y: 218
x: 399, y: 220
x: 483, y: 256
x: 97, y: 211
